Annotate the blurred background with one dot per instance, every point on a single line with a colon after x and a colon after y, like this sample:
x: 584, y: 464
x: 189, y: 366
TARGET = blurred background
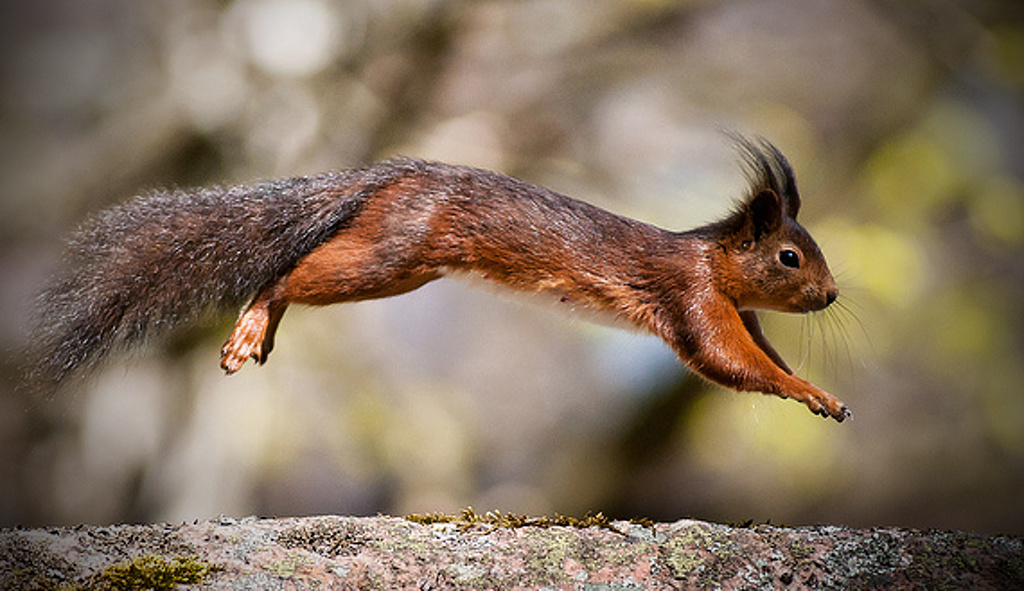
x: 903, y: 119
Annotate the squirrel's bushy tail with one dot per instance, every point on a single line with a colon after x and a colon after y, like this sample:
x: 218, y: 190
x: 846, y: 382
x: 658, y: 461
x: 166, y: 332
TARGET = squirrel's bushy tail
x: 167, y: 257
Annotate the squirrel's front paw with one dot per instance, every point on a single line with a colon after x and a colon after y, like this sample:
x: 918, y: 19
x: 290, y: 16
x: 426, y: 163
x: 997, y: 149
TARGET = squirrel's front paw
x: 822, y: 403
x: 827, y: 405
x: 838, y: 411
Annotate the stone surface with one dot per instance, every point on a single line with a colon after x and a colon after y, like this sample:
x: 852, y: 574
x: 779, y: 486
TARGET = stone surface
x: 390, y: 552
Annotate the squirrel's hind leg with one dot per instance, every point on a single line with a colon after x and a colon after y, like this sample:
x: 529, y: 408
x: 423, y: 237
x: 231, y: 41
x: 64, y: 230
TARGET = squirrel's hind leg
x: 253, y: 336
x: 351, y: 266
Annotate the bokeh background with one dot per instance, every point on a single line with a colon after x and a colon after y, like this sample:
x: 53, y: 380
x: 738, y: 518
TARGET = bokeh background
x: 903, y: 119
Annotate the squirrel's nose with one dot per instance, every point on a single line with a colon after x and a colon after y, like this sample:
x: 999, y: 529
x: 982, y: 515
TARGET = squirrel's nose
x: 831, y: 295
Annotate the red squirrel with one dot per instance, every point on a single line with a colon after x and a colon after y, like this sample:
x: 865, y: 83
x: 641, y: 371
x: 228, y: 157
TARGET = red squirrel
x: 164, y: 258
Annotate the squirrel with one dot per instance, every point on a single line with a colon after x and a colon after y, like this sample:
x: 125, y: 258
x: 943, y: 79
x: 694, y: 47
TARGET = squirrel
x: 166, y: 257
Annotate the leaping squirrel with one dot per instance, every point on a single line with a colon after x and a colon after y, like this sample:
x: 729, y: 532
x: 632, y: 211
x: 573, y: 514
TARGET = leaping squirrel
x: 166, y: 257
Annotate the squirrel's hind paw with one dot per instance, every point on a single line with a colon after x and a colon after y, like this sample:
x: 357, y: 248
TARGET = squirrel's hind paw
x: 246, y: 341
x: 233, y: 356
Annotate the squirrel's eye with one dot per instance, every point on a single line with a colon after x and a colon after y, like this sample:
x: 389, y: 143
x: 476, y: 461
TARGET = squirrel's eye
x: 789, y: 258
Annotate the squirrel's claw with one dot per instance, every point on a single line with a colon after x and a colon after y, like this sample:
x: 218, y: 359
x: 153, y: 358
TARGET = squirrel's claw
x: 840, y: 414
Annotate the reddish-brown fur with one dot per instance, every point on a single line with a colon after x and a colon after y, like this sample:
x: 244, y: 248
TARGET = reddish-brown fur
x: 696, y: 289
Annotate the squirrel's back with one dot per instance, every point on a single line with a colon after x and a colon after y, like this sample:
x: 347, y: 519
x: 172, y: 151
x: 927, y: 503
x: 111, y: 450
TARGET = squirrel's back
x: 167, y: 257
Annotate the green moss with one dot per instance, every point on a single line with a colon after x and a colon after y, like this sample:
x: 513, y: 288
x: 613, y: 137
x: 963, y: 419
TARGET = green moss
x: 468, y: 518
x: 546, y: 552
x: 154, y: 572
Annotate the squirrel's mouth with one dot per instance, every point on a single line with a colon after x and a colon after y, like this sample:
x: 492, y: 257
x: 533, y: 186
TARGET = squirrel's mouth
x: 819, y: 301
x: 812, y: 300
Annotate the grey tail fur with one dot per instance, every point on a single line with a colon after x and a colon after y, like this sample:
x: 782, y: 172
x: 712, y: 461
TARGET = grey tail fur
x: 166, y: 258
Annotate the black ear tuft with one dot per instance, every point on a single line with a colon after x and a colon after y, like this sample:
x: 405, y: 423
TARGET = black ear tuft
x: 786, y: 179
x: 764, y: 212
x: 767, y: 169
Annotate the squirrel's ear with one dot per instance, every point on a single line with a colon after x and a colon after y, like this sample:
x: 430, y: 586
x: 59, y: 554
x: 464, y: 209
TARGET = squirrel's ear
x: 764, y: 213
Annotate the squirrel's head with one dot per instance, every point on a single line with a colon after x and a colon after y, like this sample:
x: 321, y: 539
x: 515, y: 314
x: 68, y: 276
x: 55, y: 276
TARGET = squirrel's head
x: 776, y: 264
